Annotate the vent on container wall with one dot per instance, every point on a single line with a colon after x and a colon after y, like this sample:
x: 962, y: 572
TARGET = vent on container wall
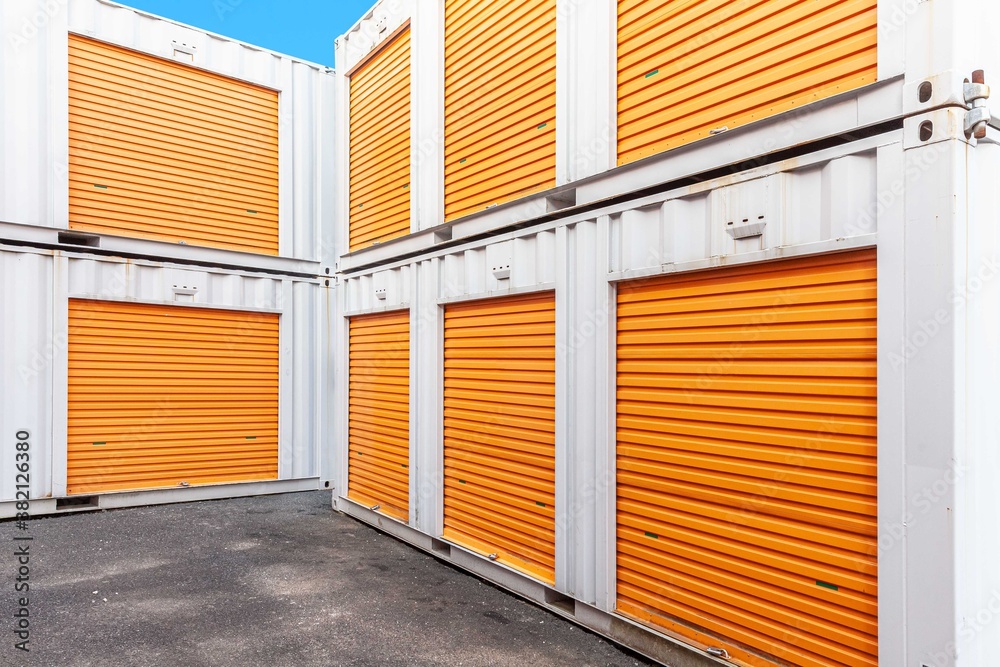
x: 184, y: 52
x: 502, y: 272
x: 88, y: 240
x: 184, y: 293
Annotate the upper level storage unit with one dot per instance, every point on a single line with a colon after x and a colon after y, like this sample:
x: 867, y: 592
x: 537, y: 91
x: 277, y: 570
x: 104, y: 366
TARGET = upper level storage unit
x: 165, y: 151
x: 499, y: 102
x: 688, y: 69
x: 380, y: 144
x: 518, y: 111
x: 139, y: 135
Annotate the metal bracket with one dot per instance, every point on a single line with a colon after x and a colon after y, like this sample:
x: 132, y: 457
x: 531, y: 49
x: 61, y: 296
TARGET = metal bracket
x: 950, y: 89
x: 746, y: 231
x: 976, y: 94
x: 718, y: 653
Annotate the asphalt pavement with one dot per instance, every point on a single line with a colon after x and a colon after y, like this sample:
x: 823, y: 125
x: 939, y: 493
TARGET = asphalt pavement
x: 270, y: 581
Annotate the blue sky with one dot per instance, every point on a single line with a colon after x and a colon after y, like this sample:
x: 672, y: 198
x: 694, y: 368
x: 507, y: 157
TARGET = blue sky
x: 302, y: 28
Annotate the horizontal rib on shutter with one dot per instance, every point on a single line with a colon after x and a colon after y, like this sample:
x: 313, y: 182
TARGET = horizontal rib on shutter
x: 160, y: 395
x: 499, y: 430
x: 380, y: 145
x: 159, y: 150
x: 379, y: 462
x: 500, y: 102
x: 747, y: 466
x: 687, y: 67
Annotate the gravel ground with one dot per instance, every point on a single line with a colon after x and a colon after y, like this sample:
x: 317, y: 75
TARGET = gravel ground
x: 277, y: 580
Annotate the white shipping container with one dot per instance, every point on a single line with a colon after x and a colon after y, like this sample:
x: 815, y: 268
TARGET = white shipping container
x: 34, y: 124
x: 919, y: 199
x: 34, y: 335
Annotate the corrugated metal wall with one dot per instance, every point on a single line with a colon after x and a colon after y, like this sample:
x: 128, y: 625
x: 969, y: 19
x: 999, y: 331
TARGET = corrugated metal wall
x: 380, y: 146
x: 163, y: 395
x: 379, y: 418
x: 687, y: 67
x: 163, y: 151
x: 500, y: 102
x: 747, y: 459
x: 499, y: 430
x: 27, y: 349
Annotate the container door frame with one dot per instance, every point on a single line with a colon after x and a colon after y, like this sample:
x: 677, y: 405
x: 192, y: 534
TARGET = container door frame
x: 60, y: 371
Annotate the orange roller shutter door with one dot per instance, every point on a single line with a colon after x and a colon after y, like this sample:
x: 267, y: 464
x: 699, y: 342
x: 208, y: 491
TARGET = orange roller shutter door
x: 747, y: 463
x: 159, y: 150
x: 160, y: 396
x: 500, y: 102
x: 688, y: 67
x: 499, y: 430
x: 380, y: 145
x: 379, y: 420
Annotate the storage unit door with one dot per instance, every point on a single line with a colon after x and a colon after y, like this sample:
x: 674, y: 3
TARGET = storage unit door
x: 379, y: 421
x: 688, y: 67
x: 159, y: 150
x: 380, y: 146
x: 499, y: 430
x: 167, y: 396
x: 500, y: 102
x: 746, y: 459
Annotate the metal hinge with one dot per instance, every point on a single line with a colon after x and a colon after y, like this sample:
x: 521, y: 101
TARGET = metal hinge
x: 976, y: 93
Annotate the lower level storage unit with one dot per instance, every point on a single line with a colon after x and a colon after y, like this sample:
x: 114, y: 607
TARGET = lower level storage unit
x: 168, y: 396
x: 141, y: 382
x: 499, y: 430
x: 747, y: 458
x: 379, y: 419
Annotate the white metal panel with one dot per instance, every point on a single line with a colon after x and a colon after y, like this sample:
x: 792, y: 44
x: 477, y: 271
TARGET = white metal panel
x: 426, y: 398
x: 584, y: 321
x: 892, y: 21
x: 365, y: 36
x: 934, y: 263
x: 28, y: 348
x: 427, y: 115
x: 586, y: 106
x: 470, y: 273
x: 388, y: 289
x: 34, y: 111
x: 821, y: 201
x: 890, y: 219
x: 977, y: 542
